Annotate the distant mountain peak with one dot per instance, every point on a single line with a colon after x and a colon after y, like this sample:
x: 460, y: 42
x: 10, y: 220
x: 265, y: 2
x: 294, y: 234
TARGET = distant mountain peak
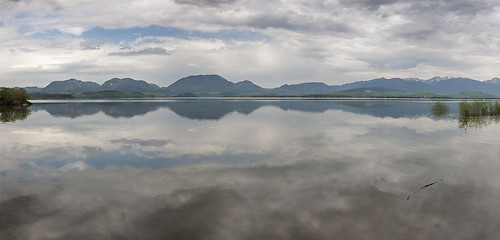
x: 245, y: 82
x: 438, y: 78
x: 316, y: 83
x: 494, y: 80
x: 413, y: 79
x: 123, y: 79
x: 128, y: 85
x: 202, y: 76
x: 201, y: 84
x: 71, y: 86
x: 302, y: 88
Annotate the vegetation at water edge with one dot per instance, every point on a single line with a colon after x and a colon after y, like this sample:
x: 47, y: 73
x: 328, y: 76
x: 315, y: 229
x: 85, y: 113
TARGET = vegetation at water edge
x: 14, y: 97
x: 439, y: 109
x: 478, y: 113
x: 478, y: 108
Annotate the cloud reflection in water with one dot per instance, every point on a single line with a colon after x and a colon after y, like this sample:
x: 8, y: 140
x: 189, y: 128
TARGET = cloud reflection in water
x: 332, y: 174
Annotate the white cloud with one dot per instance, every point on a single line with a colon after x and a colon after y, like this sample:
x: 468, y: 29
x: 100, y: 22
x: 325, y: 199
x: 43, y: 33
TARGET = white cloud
x: 145, y: 51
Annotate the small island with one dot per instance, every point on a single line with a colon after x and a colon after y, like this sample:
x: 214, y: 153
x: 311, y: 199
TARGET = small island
x: 14, y: 97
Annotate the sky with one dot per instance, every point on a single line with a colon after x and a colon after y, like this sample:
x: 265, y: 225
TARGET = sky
x: 269, y: 42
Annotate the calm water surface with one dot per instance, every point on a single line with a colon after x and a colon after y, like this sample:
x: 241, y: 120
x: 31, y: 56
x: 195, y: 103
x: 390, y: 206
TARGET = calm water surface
x: 247, y: 169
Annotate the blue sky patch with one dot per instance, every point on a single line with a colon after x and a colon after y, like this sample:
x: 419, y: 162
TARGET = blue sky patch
x: 128, y: 35
x: 125, y: 36
x: 22, y: 15
x: 24, y: 29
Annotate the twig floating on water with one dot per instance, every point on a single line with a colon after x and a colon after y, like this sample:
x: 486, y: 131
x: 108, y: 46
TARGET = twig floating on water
x: 430, y: 184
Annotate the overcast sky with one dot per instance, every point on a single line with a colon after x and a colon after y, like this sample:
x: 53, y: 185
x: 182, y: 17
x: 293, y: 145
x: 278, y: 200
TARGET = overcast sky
x: 269, y: 42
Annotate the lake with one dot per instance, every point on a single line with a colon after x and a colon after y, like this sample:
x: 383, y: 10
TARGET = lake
x: 247, y: 169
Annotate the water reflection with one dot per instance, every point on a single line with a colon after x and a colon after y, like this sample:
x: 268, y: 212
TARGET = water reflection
x: 217, y: 109
x: 112, y: 109
x: 12, y: 114
x: 257, y: 173
x: 476, y: 122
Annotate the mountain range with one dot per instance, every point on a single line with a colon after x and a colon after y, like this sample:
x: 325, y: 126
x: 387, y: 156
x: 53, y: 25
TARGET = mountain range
x: 215, y: 85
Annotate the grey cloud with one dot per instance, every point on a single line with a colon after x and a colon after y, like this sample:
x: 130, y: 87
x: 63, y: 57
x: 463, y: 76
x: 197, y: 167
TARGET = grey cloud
x: 368, y: 4
x: 56, y: 5
x: 15, y: 1
x: 395, y: 63
x: 8, y: 5
x: 412, y: 32
x: 294, y: 22
x: 92, y: 44
x: 28, y: 50
x: 142, y: 142
x: 282, y: 17
x: 146, y: 51
x: 458, y: 7
x: 421, y: 22
x: 429, y: 23
x: 405, y: 59
x: 205, y: 3
x: 272, y: 21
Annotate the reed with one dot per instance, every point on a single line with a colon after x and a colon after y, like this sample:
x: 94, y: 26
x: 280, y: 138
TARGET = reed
x: 478, y: 107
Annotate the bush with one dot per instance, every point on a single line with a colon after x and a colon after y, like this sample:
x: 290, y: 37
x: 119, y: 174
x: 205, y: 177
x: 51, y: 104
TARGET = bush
x: 439, y: 109
x: 14, y: 97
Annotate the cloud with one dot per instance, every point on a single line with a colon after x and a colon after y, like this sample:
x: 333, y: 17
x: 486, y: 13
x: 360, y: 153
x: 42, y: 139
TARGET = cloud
x: 462, y: 8
x: 92, y: 44
x: 431, y: 23
x: 325, y: 41
x: 146, y: 51
x: 408, y: 58
x: 371, y: 5
x: 206, y: 3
